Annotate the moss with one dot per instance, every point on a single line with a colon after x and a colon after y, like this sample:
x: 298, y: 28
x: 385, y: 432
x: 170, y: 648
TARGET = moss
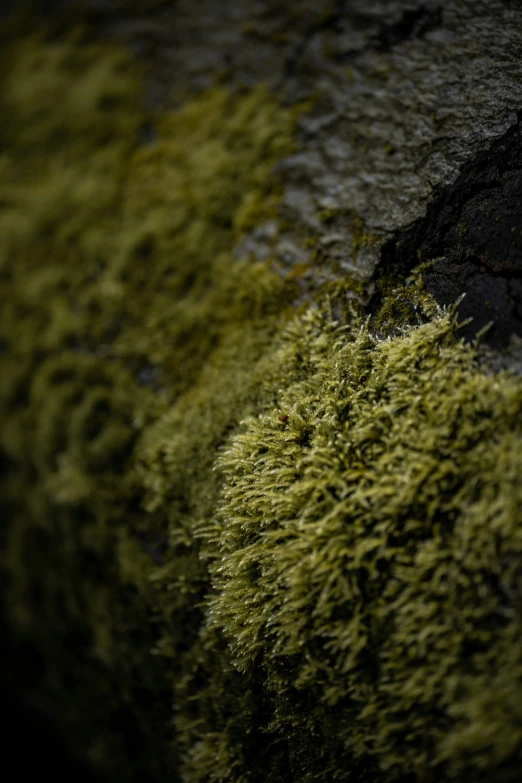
x: 404, y: 305
x: 123, y: 302
x: 329, y: 215
x: 248, y: 545
x: 368, y: 545
x: 361, y: 238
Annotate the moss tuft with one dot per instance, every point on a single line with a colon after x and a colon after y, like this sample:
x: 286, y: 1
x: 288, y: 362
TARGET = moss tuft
x: 368, y: 549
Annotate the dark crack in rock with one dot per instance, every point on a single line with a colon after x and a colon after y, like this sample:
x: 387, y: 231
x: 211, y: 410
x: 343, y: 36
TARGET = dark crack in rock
x: 473, y: 232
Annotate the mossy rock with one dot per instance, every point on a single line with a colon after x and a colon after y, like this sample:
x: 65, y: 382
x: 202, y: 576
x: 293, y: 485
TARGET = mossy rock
x: 251, y: 541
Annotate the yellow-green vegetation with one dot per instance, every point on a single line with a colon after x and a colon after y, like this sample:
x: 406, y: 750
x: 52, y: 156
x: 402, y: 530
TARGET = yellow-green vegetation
x: 248, y: 544
x: 122, y: 305
x: 369, y: 547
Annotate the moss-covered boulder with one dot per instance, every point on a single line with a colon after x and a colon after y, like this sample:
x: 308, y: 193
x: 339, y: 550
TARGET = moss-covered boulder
x: 252, y: 538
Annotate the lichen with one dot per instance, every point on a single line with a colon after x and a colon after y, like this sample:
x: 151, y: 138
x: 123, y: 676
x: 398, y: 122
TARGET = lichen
x: 249, y: 543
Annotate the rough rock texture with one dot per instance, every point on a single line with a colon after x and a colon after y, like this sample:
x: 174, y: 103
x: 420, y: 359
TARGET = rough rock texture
x: 406, y: 94
x: 473, y: 229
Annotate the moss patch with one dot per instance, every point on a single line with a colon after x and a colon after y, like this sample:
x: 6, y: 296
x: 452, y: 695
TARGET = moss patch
x: 370, y: 546
x: 121, y: 302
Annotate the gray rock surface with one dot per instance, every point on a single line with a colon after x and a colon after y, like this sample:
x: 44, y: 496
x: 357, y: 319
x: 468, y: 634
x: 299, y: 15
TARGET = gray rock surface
x: 405, y: 94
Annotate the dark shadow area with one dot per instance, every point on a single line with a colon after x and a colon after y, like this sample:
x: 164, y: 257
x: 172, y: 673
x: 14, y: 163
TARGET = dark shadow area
x: 411, y: 25
x: 34, y: 740
x: 472, y: 231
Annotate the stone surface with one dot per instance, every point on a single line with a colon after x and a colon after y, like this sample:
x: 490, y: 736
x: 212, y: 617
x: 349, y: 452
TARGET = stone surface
x: 405, y: 94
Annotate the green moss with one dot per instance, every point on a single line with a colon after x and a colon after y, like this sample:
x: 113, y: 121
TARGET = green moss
x: 361, y: 238
x: 404, y: 305
x: 128, y: 334
x: 248, y: 546
x: 368, y: 549
x: 329, y: 215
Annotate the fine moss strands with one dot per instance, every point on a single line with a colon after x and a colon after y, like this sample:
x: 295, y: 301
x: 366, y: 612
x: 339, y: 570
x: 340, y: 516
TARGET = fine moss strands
x: 364, y: 543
